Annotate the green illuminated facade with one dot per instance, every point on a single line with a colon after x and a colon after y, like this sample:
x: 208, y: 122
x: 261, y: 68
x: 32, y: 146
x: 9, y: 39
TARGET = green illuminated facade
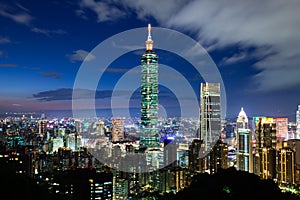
x: 149, y: 137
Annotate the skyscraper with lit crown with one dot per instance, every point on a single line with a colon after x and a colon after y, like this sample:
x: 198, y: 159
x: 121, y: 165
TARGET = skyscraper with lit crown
x: 243, y: 143
x: 242, y: 120
x: 149, y: 96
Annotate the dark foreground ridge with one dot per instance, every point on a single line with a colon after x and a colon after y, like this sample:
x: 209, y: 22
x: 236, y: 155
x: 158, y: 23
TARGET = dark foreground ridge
x: 228, y: 184
x: 232, y: 184
x: 19, y: 186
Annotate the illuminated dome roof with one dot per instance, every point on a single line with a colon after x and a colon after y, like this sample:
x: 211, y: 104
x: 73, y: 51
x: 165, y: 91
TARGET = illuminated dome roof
x: 242, y: 115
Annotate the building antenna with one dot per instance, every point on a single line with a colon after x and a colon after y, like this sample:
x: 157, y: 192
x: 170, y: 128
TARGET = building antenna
x: 149, y: 33
x: 149, y: 42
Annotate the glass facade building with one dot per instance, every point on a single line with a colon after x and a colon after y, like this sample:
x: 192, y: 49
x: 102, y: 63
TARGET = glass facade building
x: 244, y: 151
x: 149, y: 136
x: 243, y: 143
x: 210, y: 114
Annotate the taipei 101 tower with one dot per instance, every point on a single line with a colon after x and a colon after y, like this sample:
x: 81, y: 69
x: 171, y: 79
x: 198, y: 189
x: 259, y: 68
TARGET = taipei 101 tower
x: 149, y: 137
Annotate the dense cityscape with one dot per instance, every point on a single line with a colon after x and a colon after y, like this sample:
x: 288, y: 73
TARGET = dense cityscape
x: 149, y: 157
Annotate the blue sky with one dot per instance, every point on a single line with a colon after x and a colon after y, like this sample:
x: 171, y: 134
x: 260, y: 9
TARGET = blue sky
x: 254, y: 44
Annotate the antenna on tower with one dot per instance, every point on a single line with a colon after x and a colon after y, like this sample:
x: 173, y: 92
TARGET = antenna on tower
x: 149, y: 42
x: 149, y: 32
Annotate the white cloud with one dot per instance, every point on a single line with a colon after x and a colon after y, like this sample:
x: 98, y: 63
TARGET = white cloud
x: 4, y: 40
x: 234, y: 59
x: 22, y: 7
x: 270, y: 23
x: 48, y: 32
x: 80, y: 13
x: 104, y: 9
x: 162, y: 11
x: 16, y: 15
x: 81, y: 55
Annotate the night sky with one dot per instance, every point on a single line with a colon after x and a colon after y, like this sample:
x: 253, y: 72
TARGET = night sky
x: 255, y: 45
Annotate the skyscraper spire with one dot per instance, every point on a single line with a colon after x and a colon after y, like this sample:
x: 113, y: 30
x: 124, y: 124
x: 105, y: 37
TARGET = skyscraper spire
x: 149, y: 42
x: 149, y: 97
x: 149, y: 33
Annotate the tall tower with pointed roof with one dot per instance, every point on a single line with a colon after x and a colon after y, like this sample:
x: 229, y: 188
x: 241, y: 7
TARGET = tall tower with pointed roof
x: 149, y: 137
x: 244, y: 156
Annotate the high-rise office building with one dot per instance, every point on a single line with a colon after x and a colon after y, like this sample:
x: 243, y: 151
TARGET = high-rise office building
x: 120, y: 189
x: 43, y: 127
x: 117, y: 130
x: 196, y: 159
x: 218, y: 157
x: 286, y: 166
x: 170, y: 152
x: 244, y: 154
x: 281, y: 128
x: 298, y: 123
x: 149, y: 96
x: 172, y: 179
x: 210, y: 114
x: 265, y: 149
x: 265, y: 132
x: 100, y: 128
x: 56, y: 143
x: 268, y: 163
x: 294, y: 144
x: 83, y: 183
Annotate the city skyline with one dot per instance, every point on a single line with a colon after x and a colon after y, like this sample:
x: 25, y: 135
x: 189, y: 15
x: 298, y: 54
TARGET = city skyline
x: 41, y: 52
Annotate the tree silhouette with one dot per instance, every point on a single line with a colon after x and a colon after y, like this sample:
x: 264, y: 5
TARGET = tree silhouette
x: 230, y: 184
